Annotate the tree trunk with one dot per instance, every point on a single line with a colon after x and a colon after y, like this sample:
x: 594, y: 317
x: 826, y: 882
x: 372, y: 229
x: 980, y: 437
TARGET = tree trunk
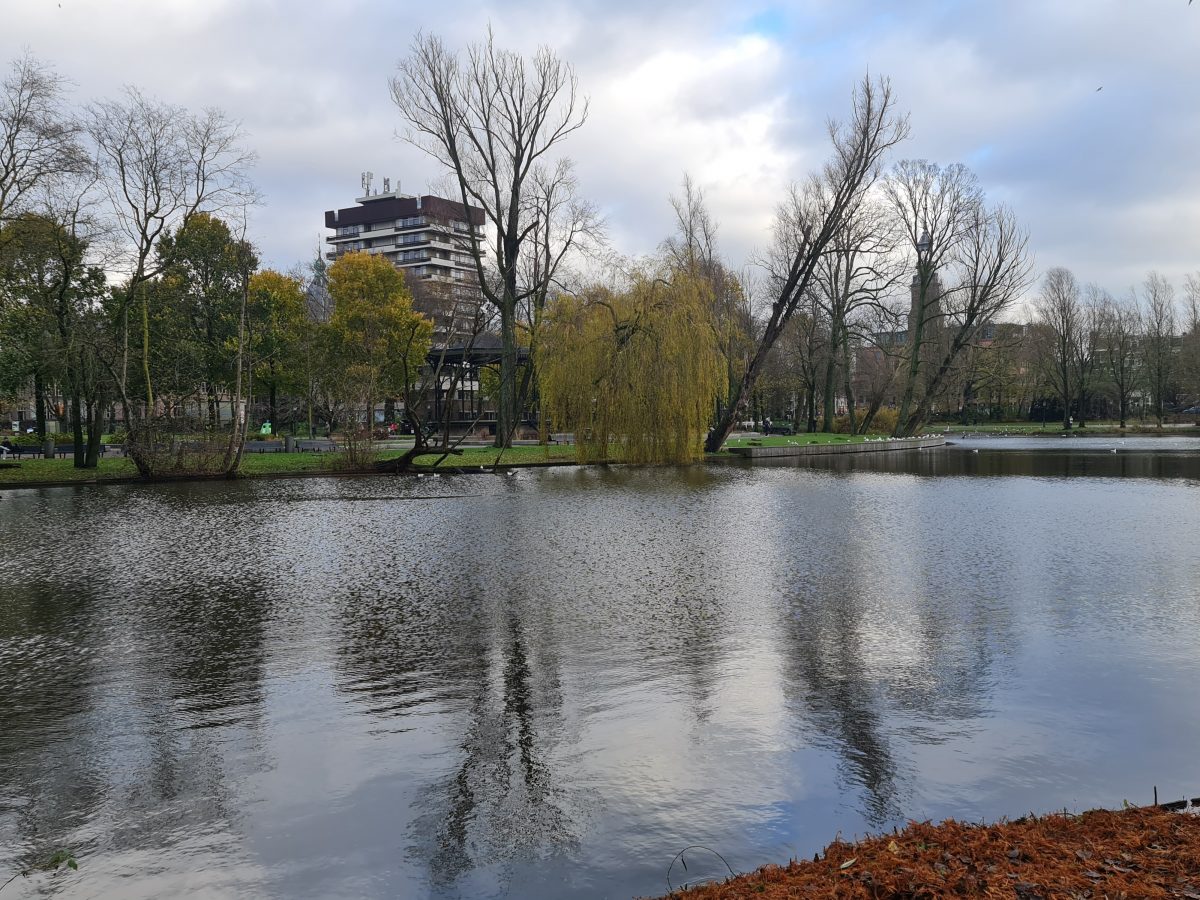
x: 233, y: 451
x: 146, y: 353
x: 848, y: 385
x: 77, y: 426
x: 870, y: 416
x: 914, y: 362
x: 39, y: 404
x: 830, y: 371
x: 506, y: 412
x: 95, y: 415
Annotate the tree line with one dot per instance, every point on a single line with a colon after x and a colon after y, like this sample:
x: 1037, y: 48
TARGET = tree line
x: 888, y: 294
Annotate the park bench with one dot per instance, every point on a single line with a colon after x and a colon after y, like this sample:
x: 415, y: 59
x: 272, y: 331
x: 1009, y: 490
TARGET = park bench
x: 62, y: 451
x: 29, y: 451
x: 562, y: 438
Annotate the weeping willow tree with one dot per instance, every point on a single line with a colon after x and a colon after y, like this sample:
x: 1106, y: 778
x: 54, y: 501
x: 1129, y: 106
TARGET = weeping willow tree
x: 635, y: 375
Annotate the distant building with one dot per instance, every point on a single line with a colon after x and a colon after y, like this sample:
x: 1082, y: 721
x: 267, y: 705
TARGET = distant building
x: 433, y: 240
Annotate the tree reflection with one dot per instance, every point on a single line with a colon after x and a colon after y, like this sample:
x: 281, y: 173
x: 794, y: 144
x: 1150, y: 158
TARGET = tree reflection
x: 1052, y: 461
x: 877, y: 665
x: 51, y: 781
x: 824, y: 662
x: 502, y: 800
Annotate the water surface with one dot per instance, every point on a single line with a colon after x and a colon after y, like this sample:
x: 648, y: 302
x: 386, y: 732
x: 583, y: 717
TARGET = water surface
x: 547, y: 684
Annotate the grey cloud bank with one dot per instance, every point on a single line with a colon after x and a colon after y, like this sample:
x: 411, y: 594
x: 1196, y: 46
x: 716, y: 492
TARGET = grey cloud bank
x: 1106, y: 181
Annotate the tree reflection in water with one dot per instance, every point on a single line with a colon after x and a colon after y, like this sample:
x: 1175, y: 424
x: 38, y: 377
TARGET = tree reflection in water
x: 502, y: 800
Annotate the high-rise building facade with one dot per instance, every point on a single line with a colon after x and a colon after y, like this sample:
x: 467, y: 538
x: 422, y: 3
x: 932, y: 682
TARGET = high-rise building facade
x: 433, y: 240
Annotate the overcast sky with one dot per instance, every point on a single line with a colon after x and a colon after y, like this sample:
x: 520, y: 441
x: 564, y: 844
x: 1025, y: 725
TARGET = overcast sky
x: 1108, y: 181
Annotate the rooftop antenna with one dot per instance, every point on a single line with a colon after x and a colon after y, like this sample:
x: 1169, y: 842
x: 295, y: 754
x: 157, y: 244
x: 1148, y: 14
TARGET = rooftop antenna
x: 366, y: 183
x: 387, y: 185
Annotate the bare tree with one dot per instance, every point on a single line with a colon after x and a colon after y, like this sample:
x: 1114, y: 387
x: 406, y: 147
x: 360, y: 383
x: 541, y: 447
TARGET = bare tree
x: 990, y: 270
x: 1190, y: 349
x: 936, y: 209
x: 562, y: 223
x: 809, y: 220
x: 1087, y: 349
x: 1060, y: 312
x: 160, y: 165
x: 853, y: 282
x: 492, y: 119
x: 693, y: 249
x: 38, y: 139
x: 1120, y: 327
x: 1158, y: 340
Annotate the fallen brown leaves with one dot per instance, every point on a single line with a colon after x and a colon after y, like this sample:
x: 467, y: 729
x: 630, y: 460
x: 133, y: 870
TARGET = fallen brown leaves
x: 1100, y: 855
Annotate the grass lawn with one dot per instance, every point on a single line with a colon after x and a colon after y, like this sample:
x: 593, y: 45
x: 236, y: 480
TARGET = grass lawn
x: 32, y: 472
x: 790, y: 440
x: 262, y: 464
x: 473, y: 457
x: 41, y: 471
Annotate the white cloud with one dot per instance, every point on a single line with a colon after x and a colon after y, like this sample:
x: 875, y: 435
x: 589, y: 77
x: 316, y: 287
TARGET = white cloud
x: 735, y: 94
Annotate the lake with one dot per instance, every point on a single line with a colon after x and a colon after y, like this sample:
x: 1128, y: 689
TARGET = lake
x: 548, y: 683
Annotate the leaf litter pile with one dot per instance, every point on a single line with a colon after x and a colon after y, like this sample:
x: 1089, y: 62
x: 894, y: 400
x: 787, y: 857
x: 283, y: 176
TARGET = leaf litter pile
x: 1135, y: 852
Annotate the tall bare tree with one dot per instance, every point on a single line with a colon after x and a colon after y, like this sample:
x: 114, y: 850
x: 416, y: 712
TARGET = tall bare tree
x: 1060, y: 312
x: 1120, y: 327
x: 1158, y: 340
x: 1190, y: 348
x: 38, y: 138
x: 1087, y: 349
x: 853, y: 282
x: 990, y: 270
x: 693, y: 249
x: 563, y: 223
x: 809, y: 219
x: 936, y: 208
x: 494, y: 119
x: 160, y: 165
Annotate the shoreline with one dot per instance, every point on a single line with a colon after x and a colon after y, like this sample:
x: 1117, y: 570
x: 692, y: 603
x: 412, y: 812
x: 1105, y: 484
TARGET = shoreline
x: 742, y: 453
x: 728, y: 454
x: 1133, y: 852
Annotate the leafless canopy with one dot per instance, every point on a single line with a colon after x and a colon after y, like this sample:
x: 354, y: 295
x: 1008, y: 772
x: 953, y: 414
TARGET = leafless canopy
x: 808, y: 221
x: 38, y: 139
x: 494, y: 120
x: 161, y: 164
x: 1158, y: 339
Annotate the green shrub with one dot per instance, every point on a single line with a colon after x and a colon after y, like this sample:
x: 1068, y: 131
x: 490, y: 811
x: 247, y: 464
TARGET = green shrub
x: 884, y: 421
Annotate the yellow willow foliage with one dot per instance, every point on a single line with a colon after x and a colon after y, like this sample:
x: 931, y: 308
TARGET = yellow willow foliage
x: 636, y: 375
